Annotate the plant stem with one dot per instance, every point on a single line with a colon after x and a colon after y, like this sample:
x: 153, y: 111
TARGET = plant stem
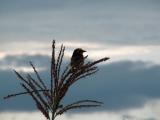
x: 53, y: 116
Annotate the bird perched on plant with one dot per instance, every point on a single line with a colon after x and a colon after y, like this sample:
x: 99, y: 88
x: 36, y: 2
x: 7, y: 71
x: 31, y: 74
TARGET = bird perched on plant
x: 77, y: 59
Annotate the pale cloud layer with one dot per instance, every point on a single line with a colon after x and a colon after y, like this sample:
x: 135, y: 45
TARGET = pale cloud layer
x: 150, y: 111
x: 146, y: 53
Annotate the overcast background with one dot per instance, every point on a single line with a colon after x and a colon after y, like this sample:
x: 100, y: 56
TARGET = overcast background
x: 127, y: 31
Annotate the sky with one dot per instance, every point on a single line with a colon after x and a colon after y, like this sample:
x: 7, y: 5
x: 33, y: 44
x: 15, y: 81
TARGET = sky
x: 127, y: 31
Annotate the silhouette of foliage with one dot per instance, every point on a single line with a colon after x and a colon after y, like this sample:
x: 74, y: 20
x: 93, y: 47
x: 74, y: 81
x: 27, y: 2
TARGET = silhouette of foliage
x: 48, y: 98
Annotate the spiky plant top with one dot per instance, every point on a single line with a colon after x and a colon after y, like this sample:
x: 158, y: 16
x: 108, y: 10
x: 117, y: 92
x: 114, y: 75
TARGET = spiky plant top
x: 48, y: 98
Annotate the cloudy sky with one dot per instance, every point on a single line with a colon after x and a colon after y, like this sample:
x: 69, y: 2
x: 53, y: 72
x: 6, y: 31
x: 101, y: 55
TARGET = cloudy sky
x: 127, y: 31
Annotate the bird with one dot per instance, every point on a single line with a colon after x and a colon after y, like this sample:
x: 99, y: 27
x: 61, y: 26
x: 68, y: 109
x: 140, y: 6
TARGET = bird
x: 77, y: 59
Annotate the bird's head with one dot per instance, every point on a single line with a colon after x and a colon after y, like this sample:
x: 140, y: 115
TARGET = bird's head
x: 79, y: 51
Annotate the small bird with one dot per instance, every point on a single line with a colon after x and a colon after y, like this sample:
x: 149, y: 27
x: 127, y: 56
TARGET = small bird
x: 77, y: 59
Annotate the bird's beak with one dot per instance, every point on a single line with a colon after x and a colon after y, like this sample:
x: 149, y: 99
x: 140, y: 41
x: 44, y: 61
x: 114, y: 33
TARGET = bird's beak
x: 84, y: 51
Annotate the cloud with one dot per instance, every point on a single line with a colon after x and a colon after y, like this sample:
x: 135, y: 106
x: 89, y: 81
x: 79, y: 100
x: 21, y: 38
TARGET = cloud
x: 115, y: 22
x: 120, y: 85
x: 95, y: 50
x: 21, y: 62
x: 147, y: 112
